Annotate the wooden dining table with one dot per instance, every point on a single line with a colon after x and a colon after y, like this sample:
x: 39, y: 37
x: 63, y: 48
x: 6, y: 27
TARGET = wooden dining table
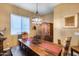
x: 74, y: 49
x: 45, y: 48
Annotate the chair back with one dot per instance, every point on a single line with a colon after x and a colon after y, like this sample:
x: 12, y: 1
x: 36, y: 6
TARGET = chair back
x: 66, y: 48
x: 59, y: 41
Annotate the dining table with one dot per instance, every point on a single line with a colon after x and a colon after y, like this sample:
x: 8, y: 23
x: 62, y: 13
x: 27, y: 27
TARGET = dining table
x: 44, y: 48
x: 74, y: 49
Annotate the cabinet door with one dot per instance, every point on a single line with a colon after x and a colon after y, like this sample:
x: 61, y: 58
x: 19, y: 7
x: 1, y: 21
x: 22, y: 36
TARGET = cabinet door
x: 1, y: 46
x: 51, y: 31
x: 47, y: 31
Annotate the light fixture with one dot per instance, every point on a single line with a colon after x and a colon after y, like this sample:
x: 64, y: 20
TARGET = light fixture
x: 36, y: 20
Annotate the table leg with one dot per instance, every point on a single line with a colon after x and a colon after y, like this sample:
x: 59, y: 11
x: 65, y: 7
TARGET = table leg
x: 71, y: 52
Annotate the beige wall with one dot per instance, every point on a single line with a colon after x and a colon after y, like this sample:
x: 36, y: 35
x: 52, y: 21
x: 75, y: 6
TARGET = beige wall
x: 47, y: 17
x: 60, y: 32
x: 5, y: 11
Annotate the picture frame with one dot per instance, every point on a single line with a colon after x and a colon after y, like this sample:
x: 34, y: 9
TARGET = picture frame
x: 71, y: 21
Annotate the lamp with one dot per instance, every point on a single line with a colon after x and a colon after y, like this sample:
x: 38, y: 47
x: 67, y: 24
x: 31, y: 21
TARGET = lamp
x: 36, y: 20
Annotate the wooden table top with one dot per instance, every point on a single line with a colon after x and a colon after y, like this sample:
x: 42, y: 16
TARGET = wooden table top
x: 43, y: 48
x: 75, y: 48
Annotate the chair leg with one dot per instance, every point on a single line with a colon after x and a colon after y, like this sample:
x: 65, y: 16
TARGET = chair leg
x: 65, y: 53
x: 11, y: 53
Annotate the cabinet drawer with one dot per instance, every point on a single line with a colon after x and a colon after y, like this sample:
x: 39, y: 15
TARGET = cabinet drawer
x: 1, y: 45
x: 1, y: 49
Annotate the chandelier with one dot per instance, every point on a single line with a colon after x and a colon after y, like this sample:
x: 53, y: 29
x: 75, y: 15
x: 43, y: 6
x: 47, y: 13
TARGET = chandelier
x: 36, y: 20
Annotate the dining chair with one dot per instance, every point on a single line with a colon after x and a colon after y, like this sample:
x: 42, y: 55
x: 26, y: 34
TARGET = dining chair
x: 59, y: 41
x: 67, y: 45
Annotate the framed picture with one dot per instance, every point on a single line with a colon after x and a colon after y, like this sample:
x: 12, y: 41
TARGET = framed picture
x: 71, y: 21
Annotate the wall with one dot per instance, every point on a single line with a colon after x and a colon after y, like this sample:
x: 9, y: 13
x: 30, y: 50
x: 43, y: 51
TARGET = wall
x: 60, y: 11
x: 5, y: 11
x: 47, y: 17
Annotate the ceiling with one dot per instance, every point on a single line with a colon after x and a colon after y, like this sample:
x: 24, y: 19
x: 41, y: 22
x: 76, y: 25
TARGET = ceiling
x: 43, y: 8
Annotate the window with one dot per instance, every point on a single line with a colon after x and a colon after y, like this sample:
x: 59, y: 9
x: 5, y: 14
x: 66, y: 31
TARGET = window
x: 15, y: 24
x: 25, y: 24
x: 19, y: 24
